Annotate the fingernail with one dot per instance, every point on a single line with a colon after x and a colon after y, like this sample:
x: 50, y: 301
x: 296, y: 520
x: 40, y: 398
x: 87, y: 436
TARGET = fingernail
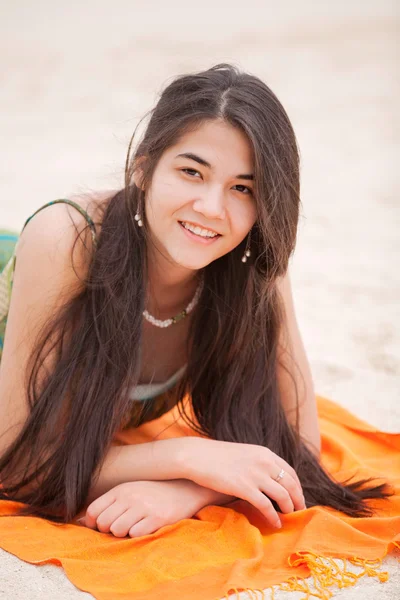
x: 278, y: 524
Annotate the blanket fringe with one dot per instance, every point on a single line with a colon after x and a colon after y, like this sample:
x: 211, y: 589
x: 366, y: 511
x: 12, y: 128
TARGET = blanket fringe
x: 324, y: 575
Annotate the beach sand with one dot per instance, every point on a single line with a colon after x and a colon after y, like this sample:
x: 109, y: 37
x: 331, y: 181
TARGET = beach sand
x: 75, y: 81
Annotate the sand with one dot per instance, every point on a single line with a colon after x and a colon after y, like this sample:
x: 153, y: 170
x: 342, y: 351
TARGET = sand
x: 75, y: 78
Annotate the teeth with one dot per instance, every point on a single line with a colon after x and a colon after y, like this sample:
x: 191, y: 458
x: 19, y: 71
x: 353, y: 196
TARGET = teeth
x: 199, y: 231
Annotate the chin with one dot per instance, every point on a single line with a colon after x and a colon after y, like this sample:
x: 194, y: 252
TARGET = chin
x: 192, y: 266
x: 192, y: 263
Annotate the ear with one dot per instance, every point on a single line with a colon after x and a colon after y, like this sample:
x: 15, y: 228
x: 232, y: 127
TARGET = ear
x: 138, y: 172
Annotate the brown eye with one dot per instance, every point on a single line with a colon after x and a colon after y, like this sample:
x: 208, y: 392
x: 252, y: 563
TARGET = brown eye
x: 249, y: 190
x: 192, y: 171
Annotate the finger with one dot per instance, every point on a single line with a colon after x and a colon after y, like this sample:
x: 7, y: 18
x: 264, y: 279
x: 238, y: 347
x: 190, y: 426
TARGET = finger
x: 144, y: 527
x: 122, y: 525
x: 280, y: 495
x: 96, y: 508
x: 109, y: 515
x: 288, y: 469
x: 264, y: 505
x: 290, y: 485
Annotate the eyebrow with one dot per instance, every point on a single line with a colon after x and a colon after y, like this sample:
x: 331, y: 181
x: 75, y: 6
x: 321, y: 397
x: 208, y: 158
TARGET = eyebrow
x: 205, y: 163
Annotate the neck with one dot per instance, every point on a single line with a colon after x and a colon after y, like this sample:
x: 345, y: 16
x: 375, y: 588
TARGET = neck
x: 170, y: 288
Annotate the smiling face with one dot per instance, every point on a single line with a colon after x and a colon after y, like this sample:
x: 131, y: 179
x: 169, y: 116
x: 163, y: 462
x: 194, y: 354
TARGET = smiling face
x: 205, y: 179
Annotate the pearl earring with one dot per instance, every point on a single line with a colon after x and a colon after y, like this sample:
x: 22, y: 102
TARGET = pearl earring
x: 247, y: 251
x: 138, y: 218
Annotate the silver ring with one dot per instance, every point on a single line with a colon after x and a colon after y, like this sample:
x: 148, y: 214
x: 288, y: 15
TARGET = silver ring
x: 281, y: 474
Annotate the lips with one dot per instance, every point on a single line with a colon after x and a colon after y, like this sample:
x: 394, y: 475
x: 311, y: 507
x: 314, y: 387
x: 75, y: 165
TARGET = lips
x: 198, y: 239
x: 181, y: 223
x: 197, y: 225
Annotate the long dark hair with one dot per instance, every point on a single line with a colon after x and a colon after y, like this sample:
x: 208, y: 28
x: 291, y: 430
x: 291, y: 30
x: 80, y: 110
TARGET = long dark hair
x: 77, y: 408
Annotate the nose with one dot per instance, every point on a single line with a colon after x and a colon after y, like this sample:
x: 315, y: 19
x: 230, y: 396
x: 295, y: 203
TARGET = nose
x: 211, y: 203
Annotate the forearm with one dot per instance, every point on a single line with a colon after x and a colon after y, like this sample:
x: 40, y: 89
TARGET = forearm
x: 216, y: 498
x: 205, y: 496
x: 157, y: 461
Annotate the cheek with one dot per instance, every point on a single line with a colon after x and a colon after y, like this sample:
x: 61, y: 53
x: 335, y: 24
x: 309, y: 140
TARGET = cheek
x: 245, y: 217
x: 167, y: 195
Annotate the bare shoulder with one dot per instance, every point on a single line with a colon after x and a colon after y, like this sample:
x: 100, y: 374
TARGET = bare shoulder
x: 55, y: 232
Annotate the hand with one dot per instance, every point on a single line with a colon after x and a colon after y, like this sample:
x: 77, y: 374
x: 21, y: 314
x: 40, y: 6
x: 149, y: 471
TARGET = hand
x: 142, y: 507
x: 245, y: 471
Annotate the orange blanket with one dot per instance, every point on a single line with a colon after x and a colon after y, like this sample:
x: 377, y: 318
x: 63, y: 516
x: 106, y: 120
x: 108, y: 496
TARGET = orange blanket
x: 230, y: 549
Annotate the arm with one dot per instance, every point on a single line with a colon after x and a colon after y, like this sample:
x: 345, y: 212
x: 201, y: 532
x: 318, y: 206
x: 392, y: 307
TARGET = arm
x: 208, y: 496
x: 215, y: 498
x: 294, y: 364
x: 156, y: 461
x: 159, y: 460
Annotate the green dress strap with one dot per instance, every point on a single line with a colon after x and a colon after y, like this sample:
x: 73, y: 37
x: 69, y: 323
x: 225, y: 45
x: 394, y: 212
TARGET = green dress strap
x: 75, y: 205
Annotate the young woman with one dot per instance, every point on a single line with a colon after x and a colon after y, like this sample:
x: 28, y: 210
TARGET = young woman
x: 177, y: 286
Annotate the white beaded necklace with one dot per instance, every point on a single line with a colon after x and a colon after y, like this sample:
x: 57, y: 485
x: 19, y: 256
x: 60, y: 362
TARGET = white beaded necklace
x: 180, y: 315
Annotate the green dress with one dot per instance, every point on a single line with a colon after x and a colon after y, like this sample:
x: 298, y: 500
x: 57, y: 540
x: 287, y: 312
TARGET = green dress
x: 8, y: 241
